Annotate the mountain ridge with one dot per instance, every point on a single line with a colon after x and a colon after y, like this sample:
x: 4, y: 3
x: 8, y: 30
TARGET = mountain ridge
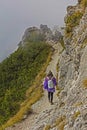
x: 69, y: 112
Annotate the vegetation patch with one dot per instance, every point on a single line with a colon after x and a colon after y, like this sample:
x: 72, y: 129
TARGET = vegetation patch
x: 57, y: 69
x: 84, y: 3
x: 58, y: 91
x: 76, y: 114
x: 57, y: 88
x: 60, y: 122
x: 85, y: 83
x: 62, y: 43
x: 47, y: 127
x: 78, y: 104
x: 32, y: 95
x: 61, y: 104
x: 72, y: 21
x: 84, y: 43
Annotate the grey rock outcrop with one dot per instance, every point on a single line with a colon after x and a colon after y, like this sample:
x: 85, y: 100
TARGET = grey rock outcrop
x: 34, y: 34
x: 73, y: 73
x: 28, y: 32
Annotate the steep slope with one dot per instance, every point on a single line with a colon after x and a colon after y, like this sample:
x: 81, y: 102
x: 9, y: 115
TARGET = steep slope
x: 43, y: 112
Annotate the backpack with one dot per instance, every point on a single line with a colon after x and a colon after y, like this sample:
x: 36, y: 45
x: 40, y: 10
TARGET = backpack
x: 50, y: 83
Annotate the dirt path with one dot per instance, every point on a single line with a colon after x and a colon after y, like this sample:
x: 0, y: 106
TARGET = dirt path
x: 42, y: 105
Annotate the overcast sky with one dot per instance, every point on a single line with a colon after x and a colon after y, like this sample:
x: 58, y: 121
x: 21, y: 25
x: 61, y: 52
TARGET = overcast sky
x: 17, y: 15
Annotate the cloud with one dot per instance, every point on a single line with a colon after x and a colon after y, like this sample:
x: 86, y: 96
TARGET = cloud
x: 17, y: 15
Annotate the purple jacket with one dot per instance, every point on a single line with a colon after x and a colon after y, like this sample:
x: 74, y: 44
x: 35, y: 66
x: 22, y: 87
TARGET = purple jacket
x: 45, y: 84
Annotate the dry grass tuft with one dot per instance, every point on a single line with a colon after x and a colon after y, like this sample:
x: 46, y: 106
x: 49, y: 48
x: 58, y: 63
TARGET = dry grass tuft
x: 47, y: 127
x: 76, y: 114
x: 60, y: 122
x: 78, y: 104
x: 62, y: 104
x: 85, y: 83
x: 84, y: 3
x: 58, y: 91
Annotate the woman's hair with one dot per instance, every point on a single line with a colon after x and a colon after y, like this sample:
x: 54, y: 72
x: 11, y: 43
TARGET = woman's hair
x: 50, y: 73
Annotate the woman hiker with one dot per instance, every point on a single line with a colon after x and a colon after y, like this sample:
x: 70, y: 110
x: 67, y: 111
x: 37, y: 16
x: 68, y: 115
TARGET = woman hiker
x: 50, y: 84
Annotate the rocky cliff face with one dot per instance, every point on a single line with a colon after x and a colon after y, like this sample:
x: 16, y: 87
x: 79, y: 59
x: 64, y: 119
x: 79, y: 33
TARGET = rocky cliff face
x: 73, y: 70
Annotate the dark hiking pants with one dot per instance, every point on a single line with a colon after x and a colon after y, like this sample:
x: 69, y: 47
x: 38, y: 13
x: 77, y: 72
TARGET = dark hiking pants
x: 50, y: 96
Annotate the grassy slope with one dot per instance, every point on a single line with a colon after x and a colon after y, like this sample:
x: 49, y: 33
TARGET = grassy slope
x: 19, y: 73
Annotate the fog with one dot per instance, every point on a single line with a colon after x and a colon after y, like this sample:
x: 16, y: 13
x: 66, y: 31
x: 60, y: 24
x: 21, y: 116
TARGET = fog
x: 17, y: 15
